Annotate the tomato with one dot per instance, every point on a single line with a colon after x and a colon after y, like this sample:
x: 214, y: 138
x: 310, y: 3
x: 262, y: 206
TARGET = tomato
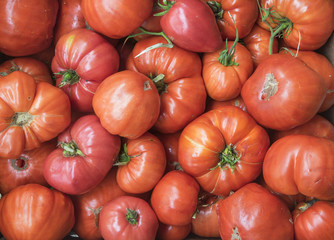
x: 24, y: 29
x: 314, y: 220
x: 321, y: 65
x: 237, y: 102
x: 85, y: 155
x: 257, y: 43
x: 31, y: 113
x: 226, y: 70
x: 141, y: 164
x: 254, y: 213
x: 83, y: 59
x: 174, y: 198
x: 70, y: 17
x: 89, y: 205
x: 127, y: 104
x: 128, y: 217
x: 243, y: 12
x: 191, y: 25
x: 33, y: 211
x: 283, y: 93
x: 205, y: 221
x: 27, y: 168
x: 303, y: 24
x: 172, y: 232
x: 35, y: 68
x: 223, y: 149
x: 123, y: 15
x: 318, y: 126
x: 301, y: 164
x: 170, y: 142
x: 176, y: 74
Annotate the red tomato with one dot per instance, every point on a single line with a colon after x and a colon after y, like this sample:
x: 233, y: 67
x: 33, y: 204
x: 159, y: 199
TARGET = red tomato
x: 237, y: 102
x: 170, y: 232
x: 321, y: 65
x: 318, y: 126
x: 176, y: 74
x: 314, y: 220
x: 70, y: 17
x: 26, y: 28
x: 174, y: 198
x: 223, y: 149
x: 127, y: 218
x: 254, y: 213
x: 283, y: 92
x: 224, y: 73
x: 191, y: 25
x: 301, y: 164
x: 309, y: 23
x: 86, y: 154
x: 33, y: 212
x: 35, y: 68
x: 123, y: 15
x: 89, y: 205
x: 31, y: 113
x: 244, y: 13
x: 83, y: 59
x: 27, y: 168
x: 127, y: 104
x: 141, y: 164
x: 205, y: 221
x: 257, y: 42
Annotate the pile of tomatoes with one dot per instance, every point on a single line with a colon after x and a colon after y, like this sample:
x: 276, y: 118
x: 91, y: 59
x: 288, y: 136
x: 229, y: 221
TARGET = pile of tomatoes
x: 164, y: 119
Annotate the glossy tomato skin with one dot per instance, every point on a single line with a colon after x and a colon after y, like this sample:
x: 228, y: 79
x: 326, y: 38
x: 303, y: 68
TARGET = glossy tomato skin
x: 283, y: 93
x: 27, y: 168
x: 237, y: 102
x: 179, y: 207
x: 257, y: 42
x: 89, y: 205
x: 244, y: 13
x: 124, y: 15
x: 223, y: 149
x: 123, y: 97
x: 115, y: 225
x: 35, y: 68
x: 172, y: 232
x: 86, y: 58
x: 191, y: 25
x: 24, y: 30
x: 31, y: 113
x: 222, y: 81
x: 70, y: 17
x: 291, y: 159
x: 313, y: 21
x: 314, y: 221
x: 318, y: 126
x: 254, y: 213
x: 142, y: 165
x: 78, y: 173
x: 34, y: 212
x: 182, y: 91
x: 321, y: 65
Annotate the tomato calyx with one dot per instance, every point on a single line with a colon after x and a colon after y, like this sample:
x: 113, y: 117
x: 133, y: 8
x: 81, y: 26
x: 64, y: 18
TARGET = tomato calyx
x: 96, y: 212
x: 165, y: 6
x: 13, y: 68
x: 159, y: 82
x: 71, y: 149
x: 21, y: 119
x: 124, y: 158
x: 132, y: 216
x: 216, y: 9
x: 302, y: 207
x: 226, y: 56
x: 69, y: 77
x: 270, y: 87
x: 20, y: 163
x: 228, y: 156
